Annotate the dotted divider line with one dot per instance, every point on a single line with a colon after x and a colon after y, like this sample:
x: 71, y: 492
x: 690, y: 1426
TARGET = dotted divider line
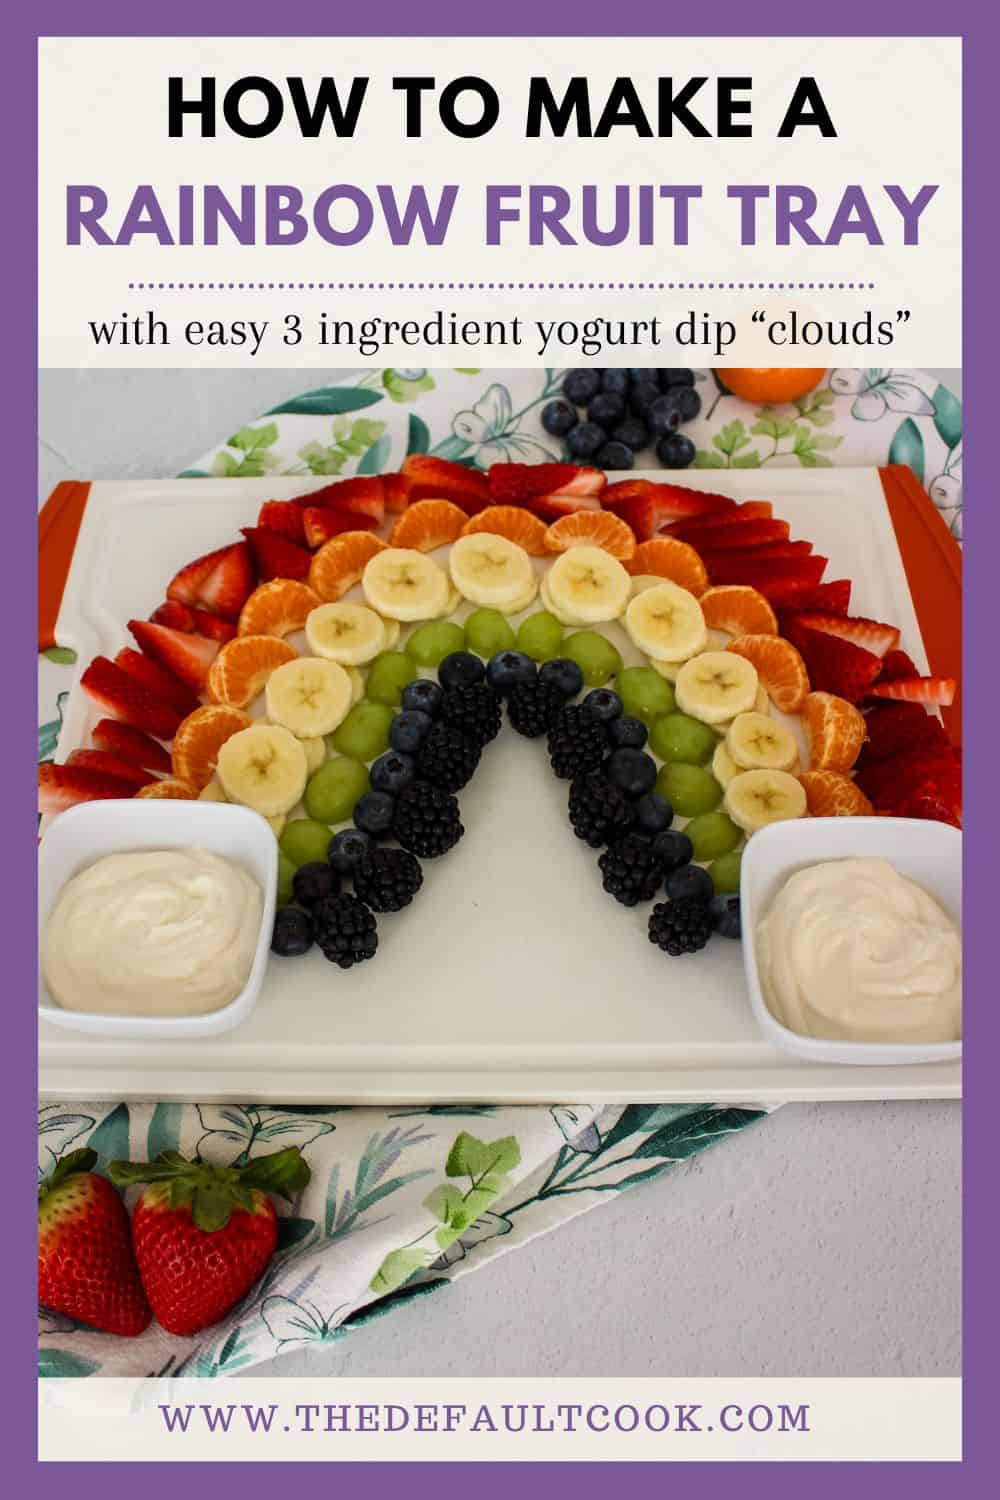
x: 501, y: 286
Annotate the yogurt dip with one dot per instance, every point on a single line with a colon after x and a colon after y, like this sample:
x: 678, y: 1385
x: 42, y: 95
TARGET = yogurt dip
x: 162, y: 932
x: 850, y: 950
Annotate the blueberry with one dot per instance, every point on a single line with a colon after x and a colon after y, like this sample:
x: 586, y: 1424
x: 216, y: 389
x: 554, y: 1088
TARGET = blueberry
x: 509, y: 668
x: 653, y: 813
x: 603, y: 704
x: 642, y: 398
x: 726, y: 915
x: 690, y: 883
x: 607, y: 409
x: 688, y: 402
x: 461, y: 669
x: 581, y: 386
x: 669, y: 378
x: 373, y: 813
x: 627, y: 733
x: 674, y: 849
x: 314, y: 882
x: 633, y: 433
x: 391, y: 772
x: 424, y: 695
x: 563, y: 674
x: 293, y: 932
x: 664, y: 415
x: 617, y: 382
x: 558, y: 417
x: 643, y: 376
x: 614, y: 456
x: 410, y: 728
x: 676, y: 451
x: 347, y: 849
x: 585, y: 438
x: 633, y: 770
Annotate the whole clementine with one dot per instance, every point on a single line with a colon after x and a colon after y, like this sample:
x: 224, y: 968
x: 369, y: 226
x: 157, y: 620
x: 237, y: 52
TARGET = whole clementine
x: 770, y: 385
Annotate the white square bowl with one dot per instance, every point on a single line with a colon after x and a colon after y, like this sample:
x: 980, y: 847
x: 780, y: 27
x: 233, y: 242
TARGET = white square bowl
x: 84, y: 834
x: 928, y: 853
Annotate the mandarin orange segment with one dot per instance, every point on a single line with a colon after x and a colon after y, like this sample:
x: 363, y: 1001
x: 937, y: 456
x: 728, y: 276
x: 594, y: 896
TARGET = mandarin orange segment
x: 669, y: 558
x: 779, y: 667
x: 511, y: 521
x: 339, y: 564
x: 739, y: 609
x: 243, y: 666
x: 428, y: 524
x: 277, y: 608
x: 830, y: 794
x: 199, y: 738
x: 834, y: 730
x: 169, y: 787
x: 592, y: 528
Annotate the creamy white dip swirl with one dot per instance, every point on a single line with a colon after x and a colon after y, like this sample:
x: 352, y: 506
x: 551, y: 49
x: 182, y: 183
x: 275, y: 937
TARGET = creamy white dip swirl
x: 167, y: 932
x: 850, y: 950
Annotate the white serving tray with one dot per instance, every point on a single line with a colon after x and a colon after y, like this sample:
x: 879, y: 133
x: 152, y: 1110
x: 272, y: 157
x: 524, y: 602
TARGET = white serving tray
x: 513, y: 978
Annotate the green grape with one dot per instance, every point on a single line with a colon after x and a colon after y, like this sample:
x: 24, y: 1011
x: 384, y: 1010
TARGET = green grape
x: 304, y: 840
x: 431, y: 643
x: 364, y: 733
x: 540, y: 636
x: 725, y: 871
x: 488, y: 631
x: 286, y: 874
x: 690, y: 790
x: 332, y: 791
x: 594, y: 654
x: 678, y: 737
x: 645, y: 694
x: 389, y: 675
x: 712, y: 835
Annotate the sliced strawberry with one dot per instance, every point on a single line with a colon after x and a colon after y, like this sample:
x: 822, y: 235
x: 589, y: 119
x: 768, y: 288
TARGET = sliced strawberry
x: 320, y: 525
x: 832, y: 598
x: 640, y: 510
x: 214, y: 627
x: 734, y: 515
x: 744, y: 558
x: 396, y: 491
x: 709, y: 538
x: 230, y: 584
x: 124, y: 697
x: 187, y: 656
x: 673, y: 502
x: 173, y: 614
x: 275, y: 556
x: 835, y: 666
x: 437, y: 479
x: 515, y: 484
x: 870, y: 635
x: 364, y: 495
x: 155, y: 680
x: 926, y: 802
x: 760, y: 573
x: 113, y: 765
x: 177, y: 616
x: 284, y: 517
x: 550, y: 508
x: 937, y: 690
x: 894, y: 728
x: 897, y: 664
x: 60, y: 787
x: 889, y: 782
x: 130, y: 744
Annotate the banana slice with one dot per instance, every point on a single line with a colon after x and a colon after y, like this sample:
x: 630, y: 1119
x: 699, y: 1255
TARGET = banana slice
x: 643, y: 581
x: 348, y: 633
x: 717, y: 640
x: 392, y: 629
x: 667, y: 669
x: 755, y: 798
x: 709, y: 689
x: 490, y: 570
x: 724, y: 768
x: 403, y: 584
x: 666, y: 622
x: 212, y: 792
x: 310, y: 696
x: 315, y: 748
x: 527, y: 598
x: 358, y: 680
x: 565, y: 617
x: 762, y: 703
x: 757, y: 741
x: 277, y: 823
x: 452, y: 602
x: 589, y: 583
x: 264, y: 767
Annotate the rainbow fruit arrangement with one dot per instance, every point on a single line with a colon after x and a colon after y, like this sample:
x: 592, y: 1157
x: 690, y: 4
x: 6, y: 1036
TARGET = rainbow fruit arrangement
x: 732, y: 615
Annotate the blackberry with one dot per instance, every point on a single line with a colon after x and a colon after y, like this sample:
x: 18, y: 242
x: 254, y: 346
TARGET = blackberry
x: 599, y: 811
x: 531, y: 707
x: 427, y: 821
x: 447, y: 758
x: 474, y: 711
x: 577, y: 742
x: 632, y: 870
x: 345, y: 930
x: 388, y: 879
x: 680, y: 926
x: 313, y: 883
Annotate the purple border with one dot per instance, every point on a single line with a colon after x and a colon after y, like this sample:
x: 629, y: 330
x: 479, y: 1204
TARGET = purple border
x: 519, y: 17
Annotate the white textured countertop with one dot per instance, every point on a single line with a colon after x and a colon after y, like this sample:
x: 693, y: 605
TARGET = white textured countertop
x: 823, y: 1241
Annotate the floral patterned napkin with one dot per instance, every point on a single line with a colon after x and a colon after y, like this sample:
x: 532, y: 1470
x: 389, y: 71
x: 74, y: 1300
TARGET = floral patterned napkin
x: 403, y: 1201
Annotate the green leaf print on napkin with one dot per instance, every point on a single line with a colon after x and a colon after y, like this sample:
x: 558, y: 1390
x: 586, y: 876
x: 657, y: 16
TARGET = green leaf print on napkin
x: 253, y: 443
x: 907, y: 447
x: 418, y: 437
x: 328, y: 401
x: 947, y: 416
x: 377, y: 457
x: 60, y: 1363
x: 63, y: 656
x: 350, y: 440
x: 398, y: 1266
x: 406, y: 385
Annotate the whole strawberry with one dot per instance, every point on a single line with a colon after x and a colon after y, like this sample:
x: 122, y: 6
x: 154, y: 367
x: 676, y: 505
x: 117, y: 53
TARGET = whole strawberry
x: 86, y: 1268
x: 203, y: 1235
